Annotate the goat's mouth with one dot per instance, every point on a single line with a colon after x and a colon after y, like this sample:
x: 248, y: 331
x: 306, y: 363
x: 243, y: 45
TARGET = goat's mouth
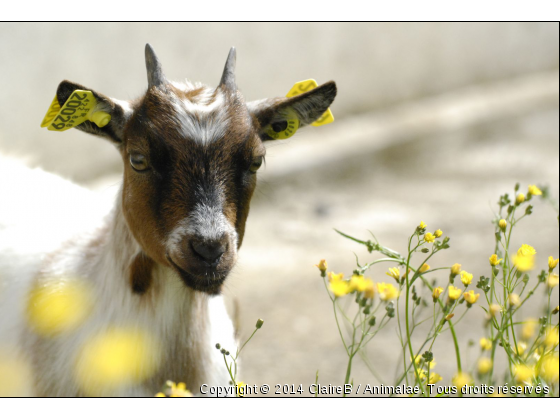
x: 210, y: 283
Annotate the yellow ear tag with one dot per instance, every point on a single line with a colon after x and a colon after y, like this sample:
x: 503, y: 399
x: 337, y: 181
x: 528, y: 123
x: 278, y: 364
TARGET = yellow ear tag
x: 307, y: 85
x: 289, y: 131
x: 79, y: 107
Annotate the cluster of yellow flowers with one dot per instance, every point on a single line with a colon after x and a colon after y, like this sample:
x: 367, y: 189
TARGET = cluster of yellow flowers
x: 532, y: 353
x: 358, y: 283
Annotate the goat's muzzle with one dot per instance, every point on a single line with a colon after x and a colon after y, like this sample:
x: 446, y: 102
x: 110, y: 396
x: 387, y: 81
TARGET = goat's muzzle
x: 203, y: 264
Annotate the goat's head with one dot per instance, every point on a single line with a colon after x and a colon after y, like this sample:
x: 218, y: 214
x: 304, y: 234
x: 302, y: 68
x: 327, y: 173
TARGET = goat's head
x: 190, y: 155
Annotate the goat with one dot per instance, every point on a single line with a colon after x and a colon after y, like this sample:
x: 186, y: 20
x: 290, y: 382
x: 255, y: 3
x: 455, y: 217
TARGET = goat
x: 158, y: 260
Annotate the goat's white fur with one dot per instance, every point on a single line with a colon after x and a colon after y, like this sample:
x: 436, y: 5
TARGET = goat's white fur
x: 47, y: 212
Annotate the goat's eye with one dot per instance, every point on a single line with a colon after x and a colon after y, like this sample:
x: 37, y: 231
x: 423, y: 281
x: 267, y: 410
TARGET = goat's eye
x: 256, y: 164
x: 138, y: 162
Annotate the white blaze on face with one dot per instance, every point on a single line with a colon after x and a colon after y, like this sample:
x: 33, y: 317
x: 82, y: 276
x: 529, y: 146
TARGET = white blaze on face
x: 204, y: 119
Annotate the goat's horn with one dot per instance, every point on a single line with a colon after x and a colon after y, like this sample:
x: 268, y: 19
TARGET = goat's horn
x: 228, y: 76
x: 153, y: 66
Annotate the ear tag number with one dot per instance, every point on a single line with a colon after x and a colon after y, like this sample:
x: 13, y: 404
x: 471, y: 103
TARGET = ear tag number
x: 289, y: 131
x: 307, y: 85
x: 79, y: 107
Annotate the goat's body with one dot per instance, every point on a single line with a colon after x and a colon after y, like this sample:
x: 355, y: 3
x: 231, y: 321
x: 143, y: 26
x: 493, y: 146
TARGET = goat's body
x: 184, y: 323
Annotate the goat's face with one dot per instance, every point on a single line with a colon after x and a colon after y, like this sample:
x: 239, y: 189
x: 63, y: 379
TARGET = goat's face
x: 190, y: 155
x: 190, y: 158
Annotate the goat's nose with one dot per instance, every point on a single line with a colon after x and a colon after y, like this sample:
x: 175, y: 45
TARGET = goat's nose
x: 209, y: 251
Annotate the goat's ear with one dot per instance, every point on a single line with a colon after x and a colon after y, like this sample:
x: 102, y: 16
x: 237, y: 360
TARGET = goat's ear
x: 120, y: 112
x: 307, y: 108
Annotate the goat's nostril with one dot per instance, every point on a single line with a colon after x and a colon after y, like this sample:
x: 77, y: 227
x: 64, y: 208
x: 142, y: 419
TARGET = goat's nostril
x: 209, y: 252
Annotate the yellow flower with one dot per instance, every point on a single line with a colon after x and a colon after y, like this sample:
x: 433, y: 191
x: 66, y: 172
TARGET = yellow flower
x: 455, y: 269
x: 534, y: 190
x: 359, y: 283
x: 524, y: 373
x: 521, y: 347
x: 552, y: 280
x: 485, y: 343
x: 429, y: 237
x: 551, y: 337
x: 466, y: 278
x: 338, y: 285
x: 525, y: 258
x: 549, y: 368
x: 526, y: 250
x: 417, y: 360
x: 484, y: 365
x: 470, y: 297
x: 160, y: 394
x: 494, y: 309
x: 503, y: 224
x: 322, y: 266
x: 437, y: 292
x: 494, y: 261
x: 370, y: 291
x: 524, y: 263
x: 434, y: 378
x: 240, y: 389
x: 115, y: 358
x: 514, y: 300
x: 58, y: 305
x: 552, y: 263
x: 520, y: 198
x: 529, y: 328
x: 387, y: 291
x: 422, y: 225
x: 462, y: 379
x: 179, y: 390
x: 438, y: 233
x: 394, y: 272
x: 454, y: 292
x: 425, y: 267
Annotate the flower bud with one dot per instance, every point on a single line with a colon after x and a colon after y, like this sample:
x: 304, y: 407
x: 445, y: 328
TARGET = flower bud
x: 552, y: 263
x: 322, y: 266
x: 436, y: 293
x: 218, y: 346
x: 552, y: 280
x: 425, y: 267
x: 556, y: 310
x: 494, y: 309
x: 438, y: 233
x: 449, y: 316
x: 455, y: 269
x: 259, y: 324
x: 503, y: 224
x: 514, y: 300
x: 520, y: 198
x: 534, y: 190
x: 494, y: 261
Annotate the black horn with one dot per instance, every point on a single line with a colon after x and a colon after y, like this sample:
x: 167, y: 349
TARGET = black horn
x: 153, y: 66
x: 228, y: 77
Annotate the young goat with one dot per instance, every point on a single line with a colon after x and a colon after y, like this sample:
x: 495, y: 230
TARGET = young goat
x: 158, y: 260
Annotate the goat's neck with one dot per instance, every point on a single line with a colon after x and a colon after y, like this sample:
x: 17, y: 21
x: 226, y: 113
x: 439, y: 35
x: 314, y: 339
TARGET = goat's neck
x: 178, y: 316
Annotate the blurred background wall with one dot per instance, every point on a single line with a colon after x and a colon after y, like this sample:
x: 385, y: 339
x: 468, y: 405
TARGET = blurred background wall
x: 433, y: 121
